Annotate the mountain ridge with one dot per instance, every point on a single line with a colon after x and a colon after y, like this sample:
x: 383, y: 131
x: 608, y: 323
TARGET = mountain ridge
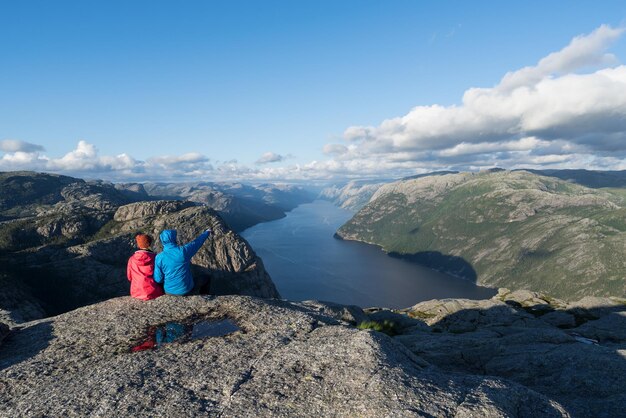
x: 510, y: 229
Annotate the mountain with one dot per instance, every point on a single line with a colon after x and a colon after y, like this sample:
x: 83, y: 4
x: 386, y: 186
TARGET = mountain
x: 241, y: 206
x: 357, y: 193
x: 352, y: 196
x: 520, y: 354
x: 69, y: 347
x: 503, y: 229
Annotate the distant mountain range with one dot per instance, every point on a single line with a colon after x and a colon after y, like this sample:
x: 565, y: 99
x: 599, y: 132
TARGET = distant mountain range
x: 355, y: 194
x: 514, y: 229
x: 241, y: 205
x: 589, y: 178
x: 27, y: 193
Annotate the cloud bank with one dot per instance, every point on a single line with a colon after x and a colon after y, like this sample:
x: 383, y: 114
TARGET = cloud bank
x: 549, y: 114
x: 567, y: 111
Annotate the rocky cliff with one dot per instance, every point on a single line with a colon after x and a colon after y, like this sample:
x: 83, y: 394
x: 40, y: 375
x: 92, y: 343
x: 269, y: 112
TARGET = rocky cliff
x: 228, y: 260
x: 61, y: 278
x: 503, y: 229
x: 519, y: 354
x: 352, y: 196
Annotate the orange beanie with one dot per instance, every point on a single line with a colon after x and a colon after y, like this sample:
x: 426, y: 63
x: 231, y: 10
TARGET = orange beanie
x: 143, y: 241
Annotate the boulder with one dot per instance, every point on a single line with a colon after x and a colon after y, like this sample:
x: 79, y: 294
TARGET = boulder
x: 286, y: 359
x: 143, y: 210
x: 560, y: 319
x: 610, y: 328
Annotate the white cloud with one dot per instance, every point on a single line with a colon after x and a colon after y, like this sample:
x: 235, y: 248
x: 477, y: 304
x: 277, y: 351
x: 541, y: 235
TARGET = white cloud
x: 85, y: 161
x: 272, y: 157
x: 85, y: 158
x: 335, y: 149
x: 583, y: 51
x: 15, y: 145
x: 523, y: 144
x: 190, y: 158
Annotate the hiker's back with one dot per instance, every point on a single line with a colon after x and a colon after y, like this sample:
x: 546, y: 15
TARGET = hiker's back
x: 172, y: 266
x: 175, y: 270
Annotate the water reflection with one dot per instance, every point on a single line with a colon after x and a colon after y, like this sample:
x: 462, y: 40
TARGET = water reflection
x: 183, y: 332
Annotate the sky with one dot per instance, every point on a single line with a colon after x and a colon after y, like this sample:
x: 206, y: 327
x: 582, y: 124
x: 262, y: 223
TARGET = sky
x: 309, y: 90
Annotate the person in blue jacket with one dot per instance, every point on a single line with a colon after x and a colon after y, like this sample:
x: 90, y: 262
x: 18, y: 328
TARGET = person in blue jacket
x: 172, y: 266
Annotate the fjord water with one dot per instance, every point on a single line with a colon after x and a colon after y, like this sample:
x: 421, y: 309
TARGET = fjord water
x: 307, y: 262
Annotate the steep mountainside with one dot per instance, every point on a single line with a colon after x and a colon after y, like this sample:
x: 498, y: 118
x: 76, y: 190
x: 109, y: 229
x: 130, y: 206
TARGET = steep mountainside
x: 38, y: 209
x: 357, y: 193
x: 510, y: 229
x: 352, y: 196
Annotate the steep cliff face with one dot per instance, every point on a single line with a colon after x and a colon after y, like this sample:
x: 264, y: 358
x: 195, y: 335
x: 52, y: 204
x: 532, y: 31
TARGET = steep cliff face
x: 226, y: 258
x: 503, y: 229
x: 352, y: 196
x: 17, y: 304
x: 285, y: 359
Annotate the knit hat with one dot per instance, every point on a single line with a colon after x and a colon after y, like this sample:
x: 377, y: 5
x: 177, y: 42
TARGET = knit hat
x: 143, y: 241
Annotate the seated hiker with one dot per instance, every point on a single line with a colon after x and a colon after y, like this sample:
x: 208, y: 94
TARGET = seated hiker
x: 173, y: 264
x: 140, y: 271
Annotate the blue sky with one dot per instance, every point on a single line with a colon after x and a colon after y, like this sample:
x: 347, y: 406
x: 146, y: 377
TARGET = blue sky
x: 191, y: 86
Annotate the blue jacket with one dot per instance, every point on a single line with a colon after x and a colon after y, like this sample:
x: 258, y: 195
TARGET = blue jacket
x: 172, y: 266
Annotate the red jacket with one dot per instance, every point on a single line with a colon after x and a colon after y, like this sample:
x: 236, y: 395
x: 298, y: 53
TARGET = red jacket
x: 140, y: 272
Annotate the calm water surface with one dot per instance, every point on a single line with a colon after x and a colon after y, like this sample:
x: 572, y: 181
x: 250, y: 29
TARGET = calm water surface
x: 306, y: 262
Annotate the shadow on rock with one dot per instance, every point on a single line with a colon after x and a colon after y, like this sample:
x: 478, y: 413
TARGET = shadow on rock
x: 572, y: 353
x: 22, y: 344
x: 451, y: 264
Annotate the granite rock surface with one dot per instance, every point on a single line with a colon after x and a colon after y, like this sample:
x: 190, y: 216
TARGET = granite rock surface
x: 286, y: 359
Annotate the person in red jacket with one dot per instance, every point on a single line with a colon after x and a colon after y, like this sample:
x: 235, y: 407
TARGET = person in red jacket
x: 140, y: 271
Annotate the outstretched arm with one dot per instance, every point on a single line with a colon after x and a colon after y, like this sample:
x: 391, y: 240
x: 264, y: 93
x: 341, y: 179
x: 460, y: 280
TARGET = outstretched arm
x: 190, y: 249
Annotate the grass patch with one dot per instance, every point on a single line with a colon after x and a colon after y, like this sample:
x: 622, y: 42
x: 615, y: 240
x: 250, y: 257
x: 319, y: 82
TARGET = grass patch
x: 108, y: 230
x: 388, y: 327
x: 421, y: 315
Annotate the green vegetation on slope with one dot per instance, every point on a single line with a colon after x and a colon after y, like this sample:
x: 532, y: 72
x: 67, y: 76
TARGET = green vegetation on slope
x: 515, y: 229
